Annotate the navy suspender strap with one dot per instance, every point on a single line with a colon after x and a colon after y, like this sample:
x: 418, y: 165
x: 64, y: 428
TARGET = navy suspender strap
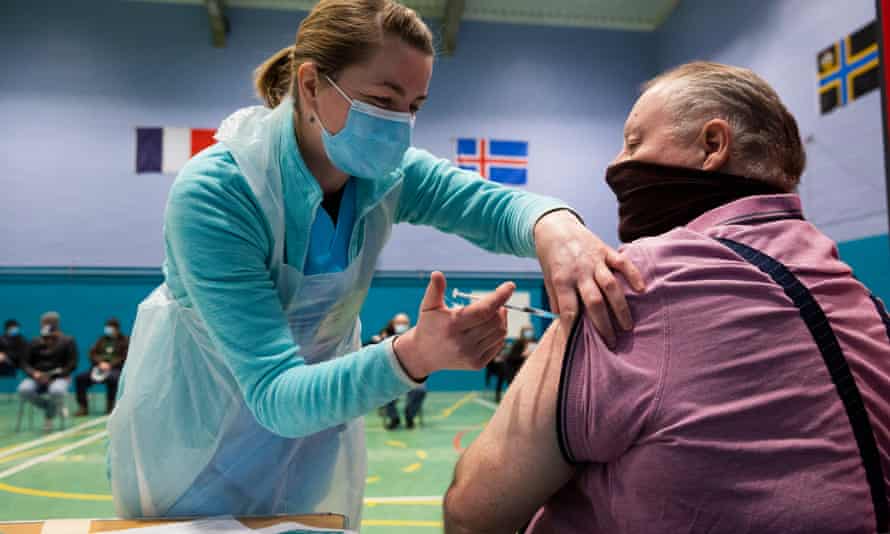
x: 823, y: 334
x: 882, y: 311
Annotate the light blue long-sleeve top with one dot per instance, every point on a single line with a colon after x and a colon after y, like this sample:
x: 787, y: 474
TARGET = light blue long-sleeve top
x: 218, y: 251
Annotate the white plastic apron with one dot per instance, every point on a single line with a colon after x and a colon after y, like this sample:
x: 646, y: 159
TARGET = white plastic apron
x: 183, y: 441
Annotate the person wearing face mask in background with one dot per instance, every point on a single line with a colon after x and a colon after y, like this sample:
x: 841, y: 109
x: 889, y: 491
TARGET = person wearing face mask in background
x: 50, y: 360
x: 108, y: 356
x: 245, y: 383
x: 414, y: 398
x: 13, y: 347
x: 521, y: 349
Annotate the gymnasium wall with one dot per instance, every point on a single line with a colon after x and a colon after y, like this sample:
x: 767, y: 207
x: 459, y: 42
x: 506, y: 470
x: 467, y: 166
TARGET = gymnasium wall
x: 844, y: 191
x: 82, y: 75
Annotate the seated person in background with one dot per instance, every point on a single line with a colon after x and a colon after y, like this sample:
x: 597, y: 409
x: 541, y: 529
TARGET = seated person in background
x: 718, y: 412
x: 519, y: 351
x: 400, y: 324
x: 108, y: 356
x: 13, y: 347
x: 49, y: 363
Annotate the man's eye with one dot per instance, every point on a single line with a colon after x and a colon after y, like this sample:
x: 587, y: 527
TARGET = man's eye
x: 383, y: 102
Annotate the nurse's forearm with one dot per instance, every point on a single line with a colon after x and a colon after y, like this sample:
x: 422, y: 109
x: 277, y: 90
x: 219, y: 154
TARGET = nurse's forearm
x: 306, y: 399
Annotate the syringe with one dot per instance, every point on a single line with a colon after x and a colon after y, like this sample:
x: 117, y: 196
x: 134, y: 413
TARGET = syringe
x: 455, y: 293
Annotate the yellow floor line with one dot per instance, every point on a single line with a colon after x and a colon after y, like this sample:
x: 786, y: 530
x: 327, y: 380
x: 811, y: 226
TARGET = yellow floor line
x: 399, y: 444
x: 54, y: 494
x: 463, y: 400
x: 422, y: 455
x: 6, y: 451
x: 28, y: 453
x: 410, y: 501
x: 412, y: 468
x: 400, y: 523
x: 372, y: 480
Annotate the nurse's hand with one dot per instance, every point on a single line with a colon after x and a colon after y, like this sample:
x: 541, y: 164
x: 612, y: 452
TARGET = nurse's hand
x: 576, y: 262
x: 462, y: 338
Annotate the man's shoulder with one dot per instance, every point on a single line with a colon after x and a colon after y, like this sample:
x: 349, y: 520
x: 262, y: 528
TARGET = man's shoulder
x: 680, y: 248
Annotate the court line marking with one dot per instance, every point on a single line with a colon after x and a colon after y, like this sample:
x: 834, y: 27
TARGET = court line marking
x: 435, y: 500
x: 400, y: 523
x: 413, y: 467
x: 49, y: 456
x: 27, y: 454
x: 486, y: 403
x: 446, y: 413
x: 54, y: 494
x: 52, y: 437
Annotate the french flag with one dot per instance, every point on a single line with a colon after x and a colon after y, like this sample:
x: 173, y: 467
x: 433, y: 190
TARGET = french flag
x: 166, y: 150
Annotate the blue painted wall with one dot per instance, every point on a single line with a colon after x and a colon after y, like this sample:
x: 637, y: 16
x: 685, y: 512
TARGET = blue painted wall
x: 844, y: 190
x: 82, y: 75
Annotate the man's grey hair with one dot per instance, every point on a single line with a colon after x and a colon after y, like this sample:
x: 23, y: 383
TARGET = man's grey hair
x: 767, y: 144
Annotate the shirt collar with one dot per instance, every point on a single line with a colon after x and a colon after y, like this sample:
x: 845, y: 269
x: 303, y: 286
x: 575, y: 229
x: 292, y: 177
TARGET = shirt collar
x: 750, y: 210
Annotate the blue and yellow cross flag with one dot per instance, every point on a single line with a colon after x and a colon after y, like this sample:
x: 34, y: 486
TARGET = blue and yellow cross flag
x: 848, y: 68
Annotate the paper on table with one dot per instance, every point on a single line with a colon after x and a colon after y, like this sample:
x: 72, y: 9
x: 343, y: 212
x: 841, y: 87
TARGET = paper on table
x: 299, y: 528
x: 225, y: 525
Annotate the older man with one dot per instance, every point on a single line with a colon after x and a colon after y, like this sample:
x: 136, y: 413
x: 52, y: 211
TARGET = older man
x: 753, y: 395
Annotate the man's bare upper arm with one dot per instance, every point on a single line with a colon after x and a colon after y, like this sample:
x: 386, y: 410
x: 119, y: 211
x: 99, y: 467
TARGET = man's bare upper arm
x: 515, y: 465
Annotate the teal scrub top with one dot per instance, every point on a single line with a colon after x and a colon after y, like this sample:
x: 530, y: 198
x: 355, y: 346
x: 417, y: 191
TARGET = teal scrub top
x: 329, y: 242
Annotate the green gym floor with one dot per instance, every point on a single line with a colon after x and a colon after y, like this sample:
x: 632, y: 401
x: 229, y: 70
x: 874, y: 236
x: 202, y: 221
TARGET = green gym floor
x: 61, y: 474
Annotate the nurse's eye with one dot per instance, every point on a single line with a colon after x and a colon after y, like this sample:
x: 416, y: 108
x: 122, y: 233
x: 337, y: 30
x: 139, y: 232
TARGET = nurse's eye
x: 382, y: 102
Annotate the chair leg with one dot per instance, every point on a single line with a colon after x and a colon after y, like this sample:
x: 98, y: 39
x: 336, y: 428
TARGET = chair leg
x: 63, y: 410
x: 18, y: 422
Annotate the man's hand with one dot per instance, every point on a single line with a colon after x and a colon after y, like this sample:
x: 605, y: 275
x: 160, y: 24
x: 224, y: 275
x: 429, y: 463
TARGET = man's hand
x: 104, y: 367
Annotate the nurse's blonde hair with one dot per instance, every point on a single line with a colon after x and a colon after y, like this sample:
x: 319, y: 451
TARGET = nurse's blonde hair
x: 336, y: 34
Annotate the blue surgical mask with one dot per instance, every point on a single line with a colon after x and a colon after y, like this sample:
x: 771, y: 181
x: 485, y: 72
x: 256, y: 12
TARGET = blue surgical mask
x: 400, y: 328
x: 529, y: 334
x: 373, y: 141
x: 13, y: 331
x: 109, y: 331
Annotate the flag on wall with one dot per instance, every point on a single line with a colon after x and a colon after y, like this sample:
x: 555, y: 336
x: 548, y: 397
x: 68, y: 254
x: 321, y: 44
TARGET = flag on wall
x: 505, y: 162
x: 166, y: 150
x: 848, y: 68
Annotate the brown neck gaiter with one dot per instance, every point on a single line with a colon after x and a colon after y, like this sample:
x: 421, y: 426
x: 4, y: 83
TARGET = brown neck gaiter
x: 654, y: 199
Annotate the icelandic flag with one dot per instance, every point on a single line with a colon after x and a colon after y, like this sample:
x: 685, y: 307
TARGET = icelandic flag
x: 505, y: 162
x: 166, y: 150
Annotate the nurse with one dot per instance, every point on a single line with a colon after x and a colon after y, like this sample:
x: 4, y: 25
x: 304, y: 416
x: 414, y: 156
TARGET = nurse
x: 245, y: 385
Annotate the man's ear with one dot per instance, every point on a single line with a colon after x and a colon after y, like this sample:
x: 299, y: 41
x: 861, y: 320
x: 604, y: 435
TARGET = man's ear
x: 307, y: 86
x: 716, y: 142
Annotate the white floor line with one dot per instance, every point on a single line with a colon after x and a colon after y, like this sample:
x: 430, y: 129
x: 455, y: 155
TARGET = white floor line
x: 373, y: 500
x: 486, y: 403
x: 49, y: 456
x: 52, y: 437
